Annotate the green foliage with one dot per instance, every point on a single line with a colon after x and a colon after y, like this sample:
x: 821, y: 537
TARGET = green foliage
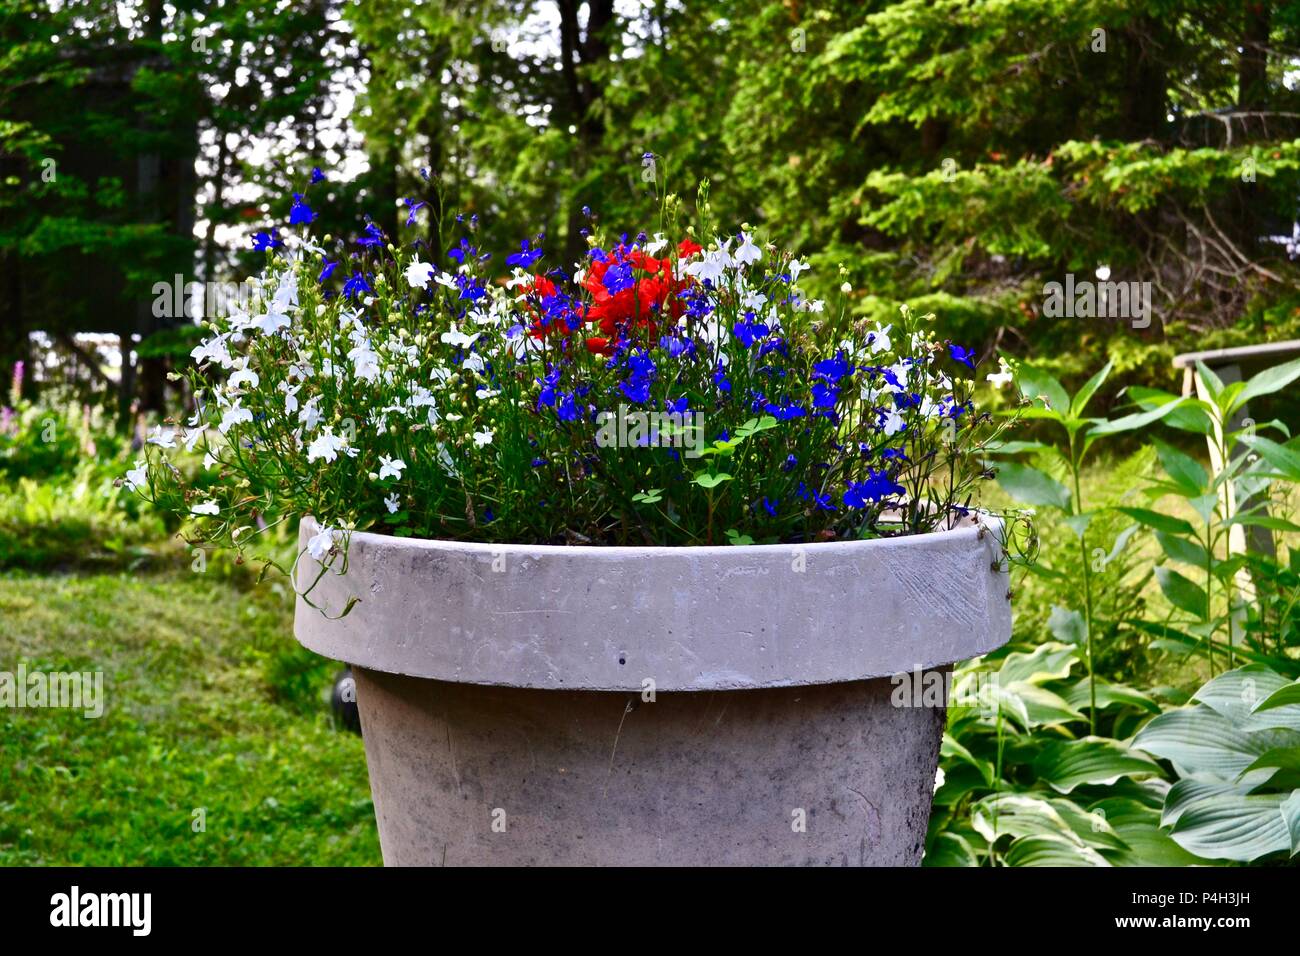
x: 1236, y: 753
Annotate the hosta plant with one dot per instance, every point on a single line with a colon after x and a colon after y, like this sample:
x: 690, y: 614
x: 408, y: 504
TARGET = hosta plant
x: 671, y: 388
x: 1236, y: 751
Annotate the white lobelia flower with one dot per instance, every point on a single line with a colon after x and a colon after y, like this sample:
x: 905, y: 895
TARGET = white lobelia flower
x: 137, y: 477
x: 657, y: 246
x: 796, y: 268
x: 1003, y: 376
x: 323, y: 542
x: 483, y: 394
x: 208, y: 507
x: 326, y: 445
x: 712, y: 265
x: 893, y: 423
x: 163, y: 438
x: 390, y: 467
x: 290, y: 396
x: 483, y: 438
x: 457, y: 338
x: 365, y: 362
x: 418, y: 273
x: 310, y: 414
x: 214, y: 349
x: 392, y: 503
x: 209, y: 460
x: 191, y: 437
x: 747, y: 252
x: 446, y: 280
x: 233, y: 416
x: 880, y: 339
x: 243, y: 375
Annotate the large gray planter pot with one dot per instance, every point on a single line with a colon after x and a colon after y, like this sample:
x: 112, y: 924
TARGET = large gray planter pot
x: 724, y: 705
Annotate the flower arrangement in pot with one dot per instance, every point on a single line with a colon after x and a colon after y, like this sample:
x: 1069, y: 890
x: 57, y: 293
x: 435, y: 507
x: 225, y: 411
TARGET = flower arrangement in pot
x: 623, y: 555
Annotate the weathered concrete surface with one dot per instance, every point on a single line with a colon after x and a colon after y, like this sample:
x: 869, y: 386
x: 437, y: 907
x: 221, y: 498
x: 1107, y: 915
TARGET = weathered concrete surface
x: 715, y: 618
x: 578, y: 778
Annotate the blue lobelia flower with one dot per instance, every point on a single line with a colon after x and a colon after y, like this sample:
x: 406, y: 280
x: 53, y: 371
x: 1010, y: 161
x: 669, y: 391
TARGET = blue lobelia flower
x: 327, y: 270
x: 525, y: 257
x: 356, y: 286
x: 300, y: 213
x: 964, y: 356
x: 266, y: 240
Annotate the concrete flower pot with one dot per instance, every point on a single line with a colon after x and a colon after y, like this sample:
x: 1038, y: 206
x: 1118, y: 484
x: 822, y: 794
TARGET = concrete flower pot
x: 587, y: 705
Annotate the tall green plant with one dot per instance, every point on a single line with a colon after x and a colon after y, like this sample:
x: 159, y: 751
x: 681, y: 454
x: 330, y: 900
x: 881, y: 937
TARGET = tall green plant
x: 1049, y: 401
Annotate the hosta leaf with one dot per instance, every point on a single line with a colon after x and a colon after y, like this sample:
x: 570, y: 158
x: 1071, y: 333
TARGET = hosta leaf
x: 1139, y: 827
x: 949, y: 849
x: 1237, y: 693
x: 1092, y: 828
x: 1067, y: 764
x: 1291, y: 815
x: 1067, y: 625
x: 1050, y: 661
x: 1079, y: 695
x: 1234, y: 827
x: 1200, y: 742
x: 1042, y: 706
x: 1189, y: 790
x: 1046, y: 850
x: 1017, y: 815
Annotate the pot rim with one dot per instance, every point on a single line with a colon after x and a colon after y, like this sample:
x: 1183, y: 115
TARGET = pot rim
x: 977, y: 523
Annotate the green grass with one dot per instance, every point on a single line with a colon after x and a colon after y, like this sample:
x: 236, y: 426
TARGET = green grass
x: 209, y: 704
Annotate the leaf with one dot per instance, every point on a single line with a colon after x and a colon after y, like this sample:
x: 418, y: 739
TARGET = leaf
x: 1290, y: 810
x: 1185, y: 471
x: 706, y: 480
x: 1200, y: 741
x: 1237, y: 693
x: 1036, y: 383
x: 1268, y: 381
x: 1049, y: 661
x: 1048, y: 850
x: 1160, y: 522
x: 1067, y: 764
x: 949, y: 849
x: 1192, y: 416
x: 1033, y: 486
x: 1136, y: 420
x: 1234, y: 827
x: 1138, y: 826
x: 1182, y: 592
x: 1067, y: 625
x: 1189, y: 791
x: 1084, y: 395
x: 1285, y: 460
x: 1180, y: 549
x: 1042, y: 707
x: 1080, y: 696
x: 1017, y: 815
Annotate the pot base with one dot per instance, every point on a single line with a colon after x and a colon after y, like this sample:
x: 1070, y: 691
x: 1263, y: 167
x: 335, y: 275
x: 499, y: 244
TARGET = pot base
x: 826, y: 774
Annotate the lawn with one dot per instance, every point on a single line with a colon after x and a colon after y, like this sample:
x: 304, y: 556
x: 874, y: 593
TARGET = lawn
x: 210, y: 705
